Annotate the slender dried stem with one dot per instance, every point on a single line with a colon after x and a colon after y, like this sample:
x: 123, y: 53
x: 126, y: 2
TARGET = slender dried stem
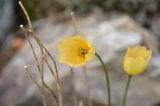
x: 41, y: 46
x: 58, y: 84
x: 55, y: 66
x: 74, y: 22
x: 34, y: 35
x: 44, y: 99
x: 88, y: 89
x: 26, y: 14
x: 49, y: 91
x: 74, y: 87
x: 52, y: 71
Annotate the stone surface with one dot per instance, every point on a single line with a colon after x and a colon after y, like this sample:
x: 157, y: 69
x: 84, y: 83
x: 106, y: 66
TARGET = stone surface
x: 110, y: 35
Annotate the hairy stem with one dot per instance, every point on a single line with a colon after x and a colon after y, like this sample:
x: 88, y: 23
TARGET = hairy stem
x: 107, y: 78
x: 126, y: 90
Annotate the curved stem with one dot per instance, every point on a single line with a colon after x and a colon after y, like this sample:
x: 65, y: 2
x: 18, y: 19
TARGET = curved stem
x: 107, y: 78
x: 50, y: 92
x: 126, y: 90
x: 44, y: 99
x: 26, y: 14
x: 43, y: 47
x: 55, y: 65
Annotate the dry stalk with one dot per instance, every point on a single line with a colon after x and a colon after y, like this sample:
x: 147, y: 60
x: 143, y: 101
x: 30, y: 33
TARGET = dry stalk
x: 74, y: 22
x: 43, y: 47
x: 48, y: 90
x: 38, y: 85
x: 56, y: 76
x: 88, y: 92
x: 74, y: 87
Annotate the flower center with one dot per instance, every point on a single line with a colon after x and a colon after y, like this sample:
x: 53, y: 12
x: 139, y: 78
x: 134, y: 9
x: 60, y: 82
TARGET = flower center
x: 83, y: 52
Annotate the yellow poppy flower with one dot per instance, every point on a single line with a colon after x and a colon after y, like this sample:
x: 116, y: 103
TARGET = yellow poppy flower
x: 75, y: 51
x: 136, y: 60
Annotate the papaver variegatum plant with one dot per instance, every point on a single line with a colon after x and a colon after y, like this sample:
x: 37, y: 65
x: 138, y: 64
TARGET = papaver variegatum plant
x: 77, y: 51
x: 135, y: 62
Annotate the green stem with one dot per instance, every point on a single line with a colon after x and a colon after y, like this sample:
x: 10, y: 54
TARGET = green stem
x: 126, y: 90
x: 107, y: 78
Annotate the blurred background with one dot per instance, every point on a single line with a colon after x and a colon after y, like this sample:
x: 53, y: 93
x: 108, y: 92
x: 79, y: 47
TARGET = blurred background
x: 111, y: 25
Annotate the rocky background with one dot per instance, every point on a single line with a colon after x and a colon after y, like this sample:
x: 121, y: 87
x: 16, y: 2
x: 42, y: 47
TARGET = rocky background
x: 111, y: 25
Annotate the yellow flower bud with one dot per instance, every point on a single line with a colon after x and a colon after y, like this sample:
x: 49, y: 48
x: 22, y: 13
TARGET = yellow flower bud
x: 75, y: 51
x: 136, y: 60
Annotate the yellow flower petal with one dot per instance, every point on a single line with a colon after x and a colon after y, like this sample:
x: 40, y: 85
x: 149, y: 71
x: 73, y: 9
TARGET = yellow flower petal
x: 134, y: 66
x: 75, y: 51
x: 136, y: 60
